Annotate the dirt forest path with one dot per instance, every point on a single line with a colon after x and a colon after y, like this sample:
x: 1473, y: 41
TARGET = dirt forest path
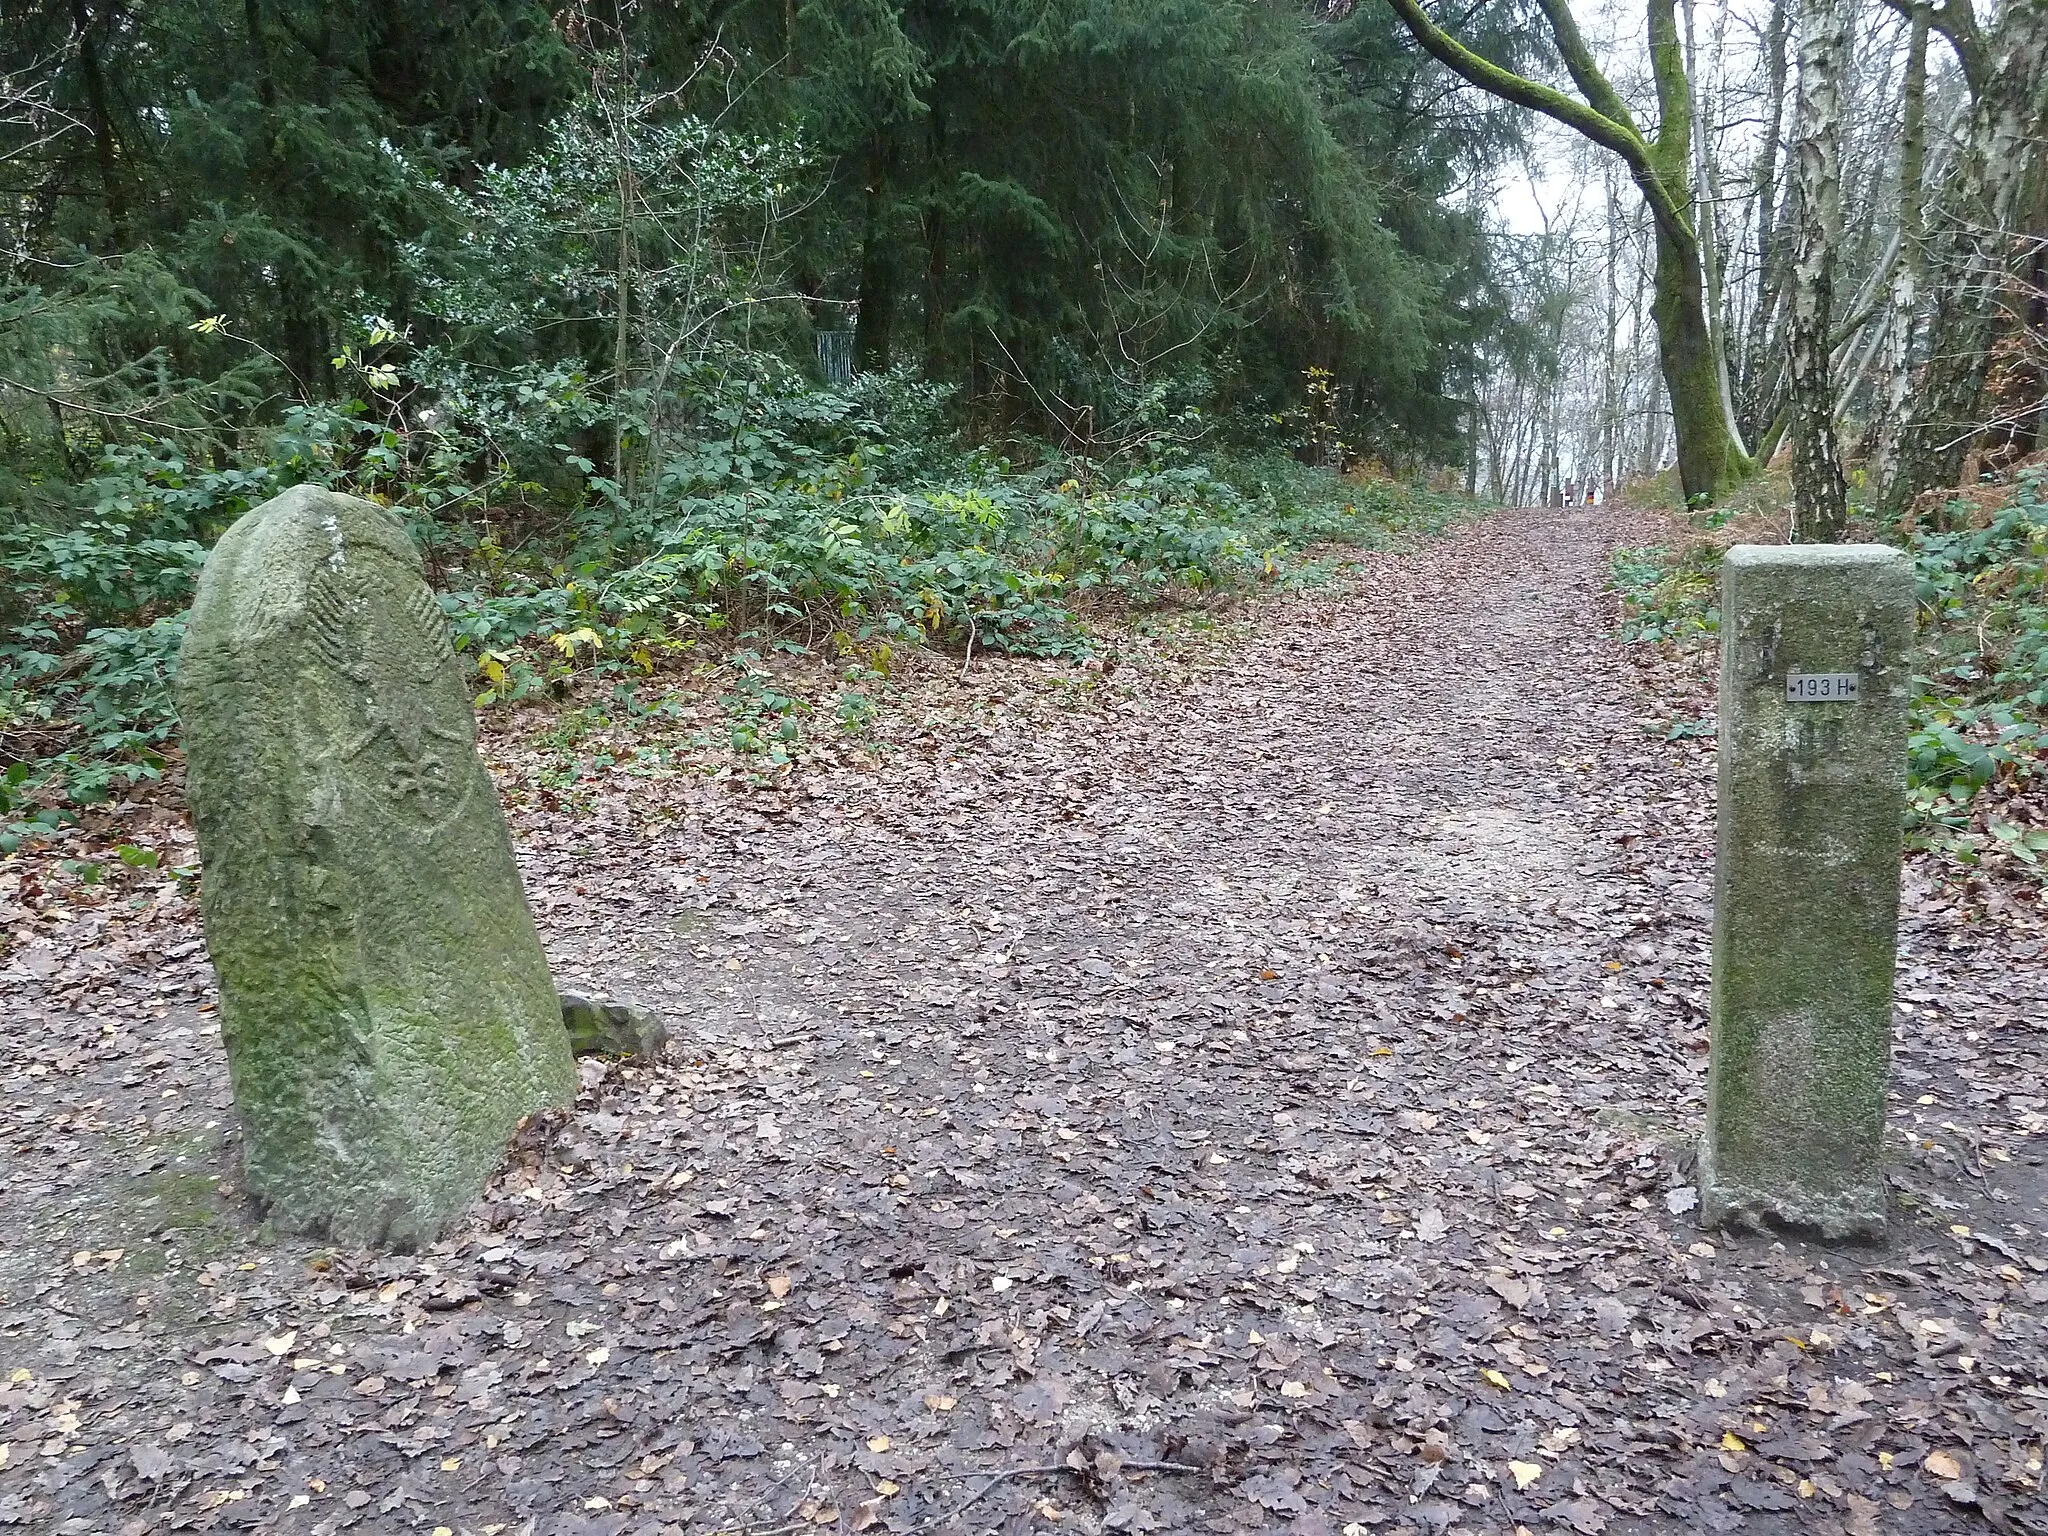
x: 1264, y: 1106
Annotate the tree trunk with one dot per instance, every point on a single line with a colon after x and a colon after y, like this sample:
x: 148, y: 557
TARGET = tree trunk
x: 305, y: 332
x: 1971, y: 257
x: 1610, y: 396
x: 1752, y: 377
x: 1706, y: 214
x: 1709, y: 459
x: 878, y: 275
x: 1692, y: 374
x: 935, y: 239
x: 622, y: 339
x: 1894, y: 373
x: 105, y: 151
x: 1820, y: 510
x: 2027, y: 432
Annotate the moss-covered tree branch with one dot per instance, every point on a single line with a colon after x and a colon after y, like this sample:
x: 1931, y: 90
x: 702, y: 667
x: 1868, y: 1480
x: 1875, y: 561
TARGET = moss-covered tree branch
x: 1585, y: 71
x: 1671, y: 150
x: 1622, y: 137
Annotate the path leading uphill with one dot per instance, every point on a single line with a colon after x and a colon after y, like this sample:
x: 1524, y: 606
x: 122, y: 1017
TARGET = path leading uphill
x: 1261, y: 1102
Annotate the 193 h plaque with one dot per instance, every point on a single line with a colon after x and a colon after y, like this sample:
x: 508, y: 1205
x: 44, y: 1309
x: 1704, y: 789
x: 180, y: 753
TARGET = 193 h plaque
x: 1820, y: 687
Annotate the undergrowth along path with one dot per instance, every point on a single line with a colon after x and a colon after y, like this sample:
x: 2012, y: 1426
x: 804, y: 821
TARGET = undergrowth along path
x: 1260, y: 1101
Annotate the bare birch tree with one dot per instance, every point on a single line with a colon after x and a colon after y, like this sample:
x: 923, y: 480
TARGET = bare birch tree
x: 1973, y: 220
x: 1819, y: 493
x: 1894, y: 366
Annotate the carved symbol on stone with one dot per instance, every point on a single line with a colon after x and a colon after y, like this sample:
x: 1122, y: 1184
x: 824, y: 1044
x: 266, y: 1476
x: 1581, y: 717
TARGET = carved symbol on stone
x: 409, y: 730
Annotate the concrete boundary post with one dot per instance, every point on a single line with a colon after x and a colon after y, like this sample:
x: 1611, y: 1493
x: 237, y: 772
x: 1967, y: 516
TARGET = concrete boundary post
x: 1816, y: 658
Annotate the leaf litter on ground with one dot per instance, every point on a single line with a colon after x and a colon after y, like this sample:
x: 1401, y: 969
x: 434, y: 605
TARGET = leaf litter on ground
x: 1252, y: 1091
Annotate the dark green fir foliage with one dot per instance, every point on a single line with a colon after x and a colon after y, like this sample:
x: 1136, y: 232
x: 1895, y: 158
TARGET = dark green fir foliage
x: 1095, y: 214
x: 246, y: 152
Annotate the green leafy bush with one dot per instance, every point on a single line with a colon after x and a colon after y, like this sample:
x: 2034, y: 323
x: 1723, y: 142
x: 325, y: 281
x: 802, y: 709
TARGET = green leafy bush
x: 795, y: 513
x: 1666, y: 597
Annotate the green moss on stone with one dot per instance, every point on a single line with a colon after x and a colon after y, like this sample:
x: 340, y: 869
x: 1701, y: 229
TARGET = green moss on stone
x: 385, y: 1005
x: 1811, y: 801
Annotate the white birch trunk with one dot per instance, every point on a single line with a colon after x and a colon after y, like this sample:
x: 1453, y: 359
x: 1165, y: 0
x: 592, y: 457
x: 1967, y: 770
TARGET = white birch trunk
x: 1895, y: 361
x: 1819, y: 496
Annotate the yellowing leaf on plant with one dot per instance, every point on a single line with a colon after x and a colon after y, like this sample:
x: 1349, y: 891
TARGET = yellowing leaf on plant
x: 567, y: 641
x: 1525, y: 1473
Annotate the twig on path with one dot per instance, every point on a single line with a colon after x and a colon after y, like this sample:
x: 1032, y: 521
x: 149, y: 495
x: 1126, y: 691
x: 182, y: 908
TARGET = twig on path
x: 999, y: 1478
x: 995, y: 1480
x: 968, y: 660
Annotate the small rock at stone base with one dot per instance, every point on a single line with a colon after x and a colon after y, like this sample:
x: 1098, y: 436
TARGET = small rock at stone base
x: 604, y: 1026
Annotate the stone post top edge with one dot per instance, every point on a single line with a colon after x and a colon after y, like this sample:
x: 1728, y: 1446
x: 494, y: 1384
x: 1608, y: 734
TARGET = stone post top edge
x: 256, y: 578
x: 307, y: 495
x: 309, y: 524
x: 1744, y: 555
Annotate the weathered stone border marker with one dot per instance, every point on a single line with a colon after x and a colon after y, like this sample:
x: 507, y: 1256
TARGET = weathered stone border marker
x: 1816, y: 652
x: 385, y: 1004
